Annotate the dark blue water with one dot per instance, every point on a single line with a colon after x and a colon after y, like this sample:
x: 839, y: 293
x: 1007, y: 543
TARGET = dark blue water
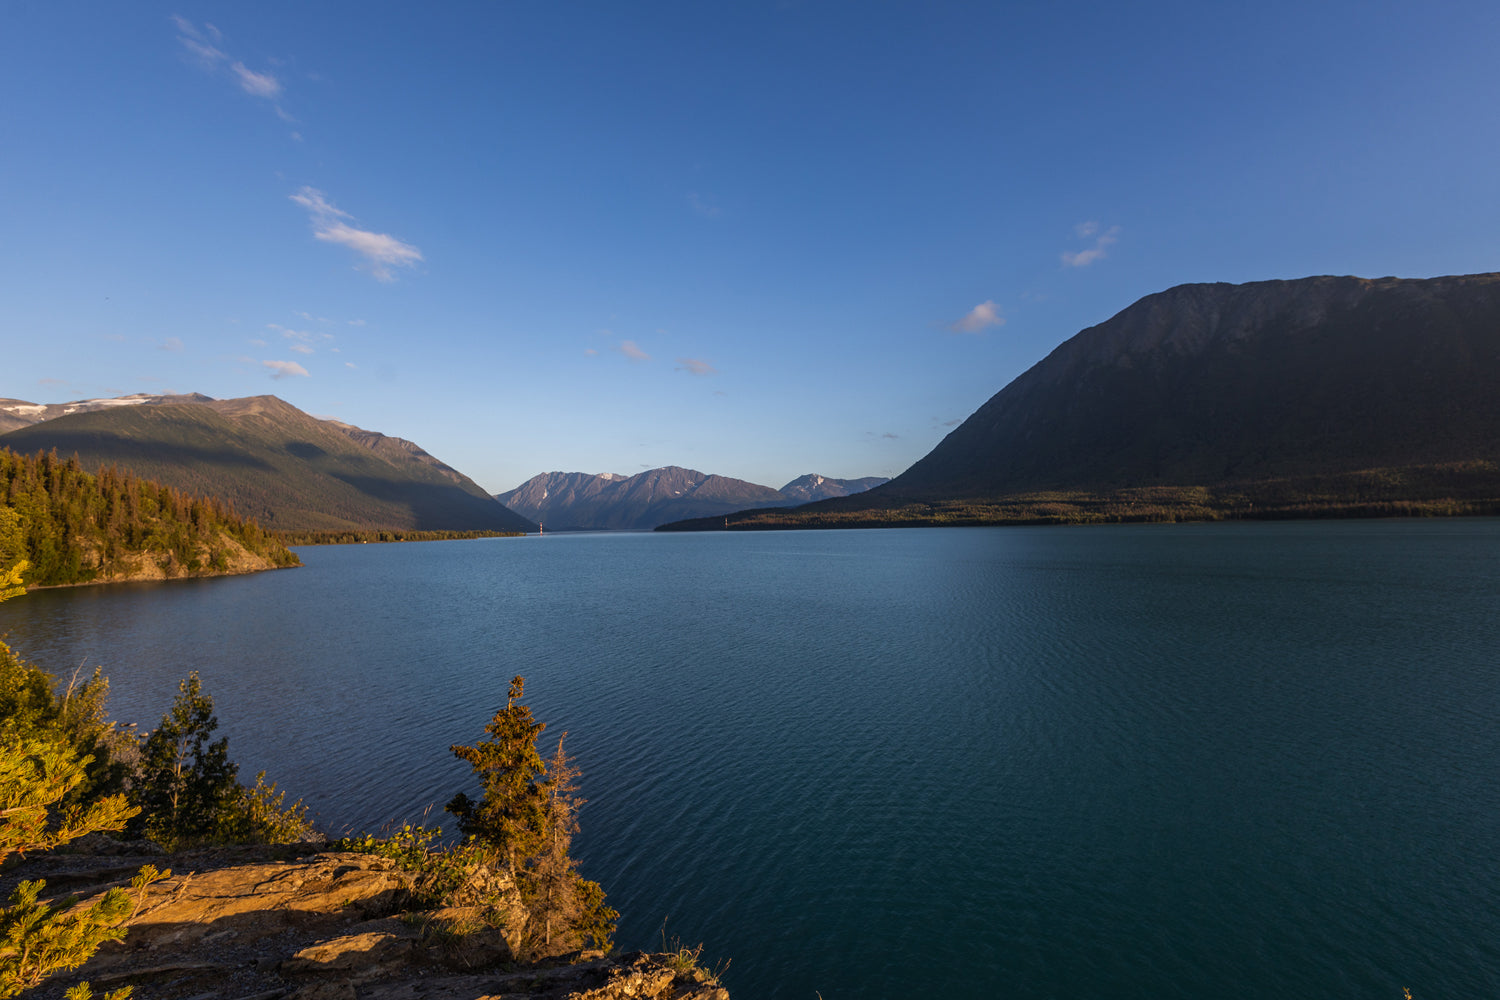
x: 1246, y: 760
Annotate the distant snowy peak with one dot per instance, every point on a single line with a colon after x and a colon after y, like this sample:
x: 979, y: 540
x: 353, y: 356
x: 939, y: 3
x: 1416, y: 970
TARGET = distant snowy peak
x: 581, y: 501
x: 19, y: 413
x: 811, y: 487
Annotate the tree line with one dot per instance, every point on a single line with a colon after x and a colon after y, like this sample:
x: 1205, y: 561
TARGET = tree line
x: 75, y: 527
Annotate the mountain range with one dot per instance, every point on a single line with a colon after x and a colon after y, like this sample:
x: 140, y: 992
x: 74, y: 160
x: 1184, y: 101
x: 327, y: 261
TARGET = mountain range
x: 579, y: 501
x: 1315, y: 396
x: 284, y: 468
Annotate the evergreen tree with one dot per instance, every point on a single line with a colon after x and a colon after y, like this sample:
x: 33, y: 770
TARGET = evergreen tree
x: 186, y: 780
x: 512, y: 816
x: 529, y: 814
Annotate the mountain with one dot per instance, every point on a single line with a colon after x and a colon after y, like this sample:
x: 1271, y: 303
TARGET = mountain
x: 811, y: 487
x: 578, y: 501
x: 1315, y: 396
x: 274, y: 463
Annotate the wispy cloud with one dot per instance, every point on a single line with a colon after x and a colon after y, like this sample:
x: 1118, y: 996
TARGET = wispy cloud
x: 590, y: 351
x: 1102, y: 242
x: 301, y: 348
x: 284, y: 369
x: 631, y: 350
x: 201, y: 45
x: 888, y: 436
x: 204, y: 46
x: 986, y: 314
x: 381, y: 251
x: 258, y: 84
x: 173, y: 344
x: 695, y: 366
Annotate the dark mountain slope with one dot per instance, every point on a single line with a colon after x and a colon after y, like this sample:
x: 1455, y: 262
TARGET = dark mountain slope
x: 1210, y: 384
x: 276, y: 464
x: 1316, y: 396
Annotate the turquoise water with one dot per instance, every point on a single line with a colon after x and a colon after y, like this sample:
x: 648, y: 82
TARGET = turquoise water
x: 1243, y: 760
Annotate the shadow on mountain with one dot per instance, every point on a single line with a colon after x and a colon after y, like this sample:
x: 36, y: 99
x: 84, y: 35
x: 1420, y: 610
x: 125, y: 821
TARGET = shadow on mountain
x: 305, y: 449
x: 132, y: 454
x: 439, y: 507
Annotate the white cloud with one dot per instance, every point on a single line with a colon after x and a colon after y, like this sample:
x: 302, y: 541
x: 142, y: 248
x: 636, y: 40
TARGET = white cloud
x: 257, y: 342
x: 1102, y: 242
x: 695, y: 366
x: 356, y: 322
x: 302, y: 348
x: 350, y: 364
x: 257, y: 84
x: 590, y: 351
x: 170, y: 344
x: 204, y: 47
x: 198, y: 44
x: 312, y: 199
x: 631, y: 350
x: 985, y: 314
x: 284, y: 369
x: 381, y: 251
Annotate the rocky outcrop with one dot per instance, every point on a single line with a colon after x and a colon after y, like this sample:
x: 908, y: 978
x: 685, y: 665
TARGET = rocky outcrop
x: 310, y: 924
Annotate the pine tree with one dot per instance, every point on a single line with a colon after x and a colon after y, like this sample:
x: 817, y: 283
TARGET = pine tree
x: 186, y: 782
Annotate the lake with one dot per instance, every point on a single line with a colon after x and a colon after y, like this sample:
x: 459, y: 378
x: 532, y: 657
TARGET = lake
x: 1217, y: 760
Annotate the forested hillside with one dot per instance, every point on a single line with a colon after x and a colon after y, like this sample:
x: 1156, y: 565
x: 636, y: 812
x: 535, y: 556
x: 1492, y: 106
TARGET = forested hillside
x: 285, y: 468
x: 74, y: 527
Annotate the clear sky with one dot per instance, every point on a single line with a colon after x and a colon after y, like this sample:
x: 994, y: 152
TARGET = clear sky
x: 757, y: 239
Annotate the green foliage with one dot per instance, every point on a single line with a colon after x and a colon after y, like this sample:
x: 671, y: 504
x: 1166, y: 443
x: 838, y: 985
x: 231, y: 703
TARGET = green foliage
x: 38, y: 938
x: 83, y: 991
x: 513, y: 863
x: 529, y: 815
x: 259, y: 815
x: 512, y: 815
x: 36, y: 774
x: 441, y: 870
x: 73, y: 527
x: 186, y: 779
x: 33, y: 713
x: 188, y: 790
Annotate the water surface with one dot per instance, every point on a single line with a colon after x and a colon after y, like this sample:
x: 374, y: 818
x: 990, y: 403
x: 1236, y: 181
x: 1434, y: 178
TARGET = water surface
x: 1241, y: 760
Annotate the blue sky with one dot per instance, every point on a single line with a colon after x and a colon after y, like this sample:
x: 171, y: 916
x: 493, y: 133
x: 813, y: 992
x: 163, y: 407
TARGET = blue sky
x: 755, y: 239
